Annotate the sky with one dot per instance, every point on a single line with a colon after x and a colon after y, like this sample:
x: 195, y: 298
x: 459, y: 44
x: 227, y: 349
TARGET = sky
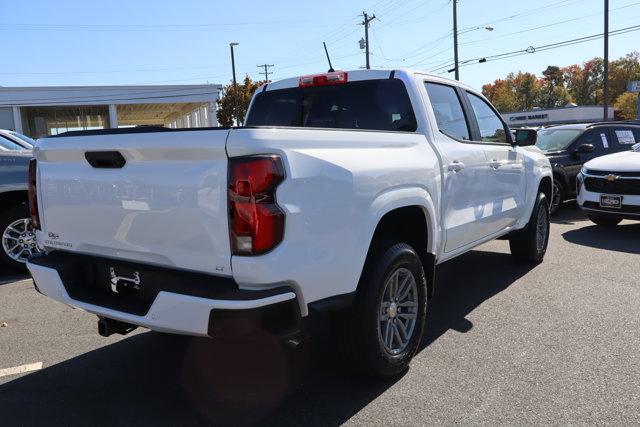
x: 116, y: 42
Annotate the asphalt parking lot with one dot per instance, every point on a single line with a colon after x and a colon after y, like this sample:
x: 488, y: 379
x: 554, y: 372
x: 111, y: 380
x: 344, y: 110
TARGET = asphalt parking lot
x: 506, y: 343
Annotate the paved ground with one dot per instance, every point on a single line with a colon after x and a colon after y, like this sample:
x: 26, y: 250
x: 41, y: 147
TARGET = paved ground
x: 506, y: 344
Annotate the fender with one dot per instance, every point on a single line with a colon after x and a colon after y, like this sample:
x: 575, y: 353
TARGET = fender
x: 532, y: 192
x: 402, y: 197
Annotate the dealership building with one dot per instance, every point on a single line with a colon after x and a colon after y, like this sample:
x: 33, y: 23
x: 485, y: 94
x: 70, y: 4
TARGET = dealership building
x: 557, y: 116
x: 42, y: 111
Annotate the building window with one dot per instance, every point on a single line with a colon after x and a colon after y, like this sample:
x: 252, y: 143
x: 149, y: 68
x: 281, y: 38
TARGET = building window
x: 42, y: 121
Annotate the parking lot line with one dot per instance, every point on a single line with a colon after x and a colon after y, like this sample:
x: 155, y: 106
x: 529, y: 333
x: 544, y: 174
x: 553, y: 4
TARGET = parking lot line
x: 20, y: 369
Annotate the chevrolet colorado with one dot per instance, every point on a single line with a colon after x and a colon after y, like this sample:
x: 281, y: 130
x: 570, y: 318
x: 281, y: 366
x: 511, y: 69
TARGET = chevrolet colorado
x: 341, y: 193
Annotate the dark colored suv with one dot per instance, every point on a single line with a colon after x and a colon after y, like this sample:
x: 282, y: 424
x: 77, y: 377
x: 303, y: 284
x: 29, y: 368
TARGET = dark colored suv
x: 568, y: 147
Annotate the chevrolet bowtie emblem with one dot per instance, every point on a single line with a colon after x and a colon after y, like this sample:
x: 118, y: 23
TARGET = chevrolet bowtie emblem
x: 611, y: 177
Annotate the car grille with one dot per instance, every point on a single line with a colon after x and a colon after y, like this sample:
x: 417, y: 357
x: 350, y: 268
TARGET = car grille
x: 621, y: 174
x: 629, y: 187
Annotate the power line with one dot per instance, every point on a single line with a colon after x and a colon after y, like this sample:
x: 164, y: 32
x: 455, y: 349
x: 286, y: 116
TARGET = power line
x: 534, y: 49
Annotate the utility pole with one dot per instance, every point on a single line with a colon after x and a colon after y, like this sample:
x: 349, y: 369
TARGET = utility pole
x: 367, y: 20
x: 235, y: 83
x: 606, y: 60
x: 455, y: 40
x: 266, y: 71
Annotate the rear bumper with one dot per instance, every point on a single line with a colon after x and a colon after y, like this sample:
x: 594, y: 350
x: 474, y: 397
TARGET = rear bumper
x: 205, y: 308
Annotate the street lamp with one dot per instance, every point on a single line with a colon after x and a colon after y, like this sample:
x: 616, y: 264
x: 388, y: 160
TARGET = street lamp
x: 235, y: 83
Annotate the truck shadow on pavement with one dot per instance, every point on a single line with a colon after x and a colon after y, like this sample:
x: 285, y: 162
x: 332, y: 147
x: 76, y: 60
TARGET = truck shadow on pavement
x: 152, y: 378
x: 621, y: 238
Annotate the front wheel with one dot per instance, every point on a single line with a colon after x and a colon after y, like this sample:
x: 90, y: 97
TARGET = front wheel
x: 530, y: 244
x: 381, y: 332
x: 604, y: 221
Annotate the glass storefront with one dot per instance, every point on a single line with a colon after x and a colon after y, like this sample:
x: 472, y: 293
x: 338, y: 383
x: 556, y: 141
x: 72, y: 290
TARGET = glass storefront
x: 42, y: 121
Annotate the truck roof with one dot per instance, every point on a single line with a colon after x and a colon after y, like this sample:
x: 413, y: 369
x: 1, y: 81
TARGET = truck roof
x: 358, y: 75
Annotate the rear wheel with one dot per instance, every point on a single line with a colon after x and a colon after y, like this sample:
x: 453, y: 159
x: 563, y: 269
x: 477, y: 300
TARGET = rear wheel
x: 531, y: 243
x: 604, y: 221
x: 382, y: 330
x: 18, y: 240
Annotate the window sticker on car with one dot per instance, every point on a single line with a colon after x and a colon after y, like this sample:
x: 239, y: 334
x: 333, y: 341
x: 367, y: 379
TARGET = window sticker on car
x: 625, y: 137
x: 605, y: 143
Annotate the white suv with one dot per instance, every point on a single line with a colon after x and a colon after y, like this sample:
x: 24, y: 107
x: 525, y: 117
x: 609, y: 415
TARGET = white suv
x: 609, y: 187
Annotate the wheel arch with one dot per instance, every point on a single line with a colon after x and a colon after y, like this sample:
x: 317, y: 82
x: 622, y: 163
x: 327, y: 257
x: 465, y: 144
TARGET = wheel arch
x: 407, y: 215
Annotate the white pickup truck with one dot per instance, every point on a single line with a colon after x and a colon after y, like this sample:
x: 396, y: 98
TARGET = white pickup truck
x: 341, y: 193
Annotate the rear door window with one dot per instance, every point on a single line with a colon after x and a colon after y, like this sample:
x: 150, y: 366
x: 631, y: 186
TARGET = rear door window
x: 7, y: 144
x: 625, y: 137
x: 448, y: 110
x: 368, y: 105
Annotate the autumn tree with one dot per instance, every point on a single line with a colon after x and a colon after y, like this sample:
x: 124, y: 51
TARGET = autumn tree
x: 233, y: 104
x: 627, y: 106
x: 553, y: 93
x: 622, y: 71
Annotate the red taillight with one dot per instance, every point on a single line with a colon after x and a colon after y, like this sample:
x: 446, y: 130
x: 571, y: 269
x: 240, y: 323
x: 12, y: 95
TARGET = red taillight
x: 256, y: 222
x: 33, y: 197
x: 335, y: 78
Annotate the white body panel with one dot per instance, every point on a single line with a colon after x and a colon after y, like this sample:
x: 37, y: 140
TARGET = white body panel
x: 168, y: 205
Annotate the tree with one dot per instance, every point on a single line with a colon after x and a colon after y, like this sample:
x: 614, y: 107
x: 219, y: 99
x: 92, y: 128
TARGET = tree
x: 626, y: 106
x: 233, y: 104
x: 527, y: 90
x: 553, y: 93
x: 621, y: 71
x: 501, y: 95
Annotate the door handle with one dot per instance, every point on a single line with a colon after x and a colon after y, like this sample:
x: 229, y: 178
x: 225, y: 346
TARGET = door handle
x: 495, y: 164
x: 455, y: 166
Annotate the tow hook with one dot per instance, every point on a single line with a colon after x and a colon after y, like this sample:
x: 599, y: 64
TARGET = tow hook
x: 108, y: 327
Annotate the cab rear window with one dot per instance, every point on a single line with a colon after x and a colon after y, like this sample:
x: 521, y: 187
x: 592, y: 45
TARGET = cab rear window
x: 368, y: 105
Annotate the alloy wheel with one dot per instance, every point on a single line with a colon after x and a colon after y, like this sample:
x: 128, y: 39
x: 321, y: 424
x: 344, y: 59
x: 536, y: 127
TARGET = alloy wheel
x: 19, y: 240
x: 398, y: 311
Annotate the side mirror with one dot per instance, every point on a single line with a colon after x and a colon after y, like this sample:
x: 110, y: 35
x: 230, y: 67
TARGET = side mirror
x: 525, y: 137
x: 585, y: 149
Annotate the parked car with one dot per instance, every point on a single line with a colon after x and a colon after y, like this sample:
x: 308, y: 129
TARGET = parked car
x: 569, y: 147
x: 19, y: 140
x: 341, y: 193
x: 609, y: 187
x: 17, y: 237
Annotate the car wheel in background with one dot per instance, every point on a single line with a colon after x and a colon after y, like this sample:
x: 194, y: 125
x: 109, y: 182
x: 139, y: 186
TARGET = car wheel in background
x: 605, y: 221
x: 17, y: 239
x: 530, y: 244
x: 381, y: 331
x: 559, y: 195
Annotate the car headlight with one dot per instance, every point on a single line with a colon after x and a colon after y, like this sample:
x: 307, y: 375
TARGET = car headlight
x: 583, y: 170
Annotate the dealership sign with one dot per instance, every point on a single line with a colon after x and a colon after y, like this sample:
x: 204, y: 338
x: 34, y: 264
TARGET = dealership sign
x: 633, y: 86
x: 528, y: 117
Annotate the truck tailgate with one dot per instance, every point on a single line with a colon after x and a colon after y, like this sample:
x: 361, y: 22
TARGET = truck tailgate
x: 167, y: 205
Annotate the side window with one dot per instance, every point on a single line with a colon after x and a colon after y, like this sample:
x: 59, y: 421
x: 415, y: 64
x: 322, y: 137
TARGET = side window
x: 625, y: 138
x: 598, y: 138
x: 448, y: 110
x: 492, y: 129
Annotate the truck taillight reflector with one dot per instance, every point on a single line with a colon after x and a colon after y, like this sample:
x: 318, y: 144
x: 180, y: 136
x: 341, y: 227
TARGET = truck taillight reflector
x: 33, y: 196
x: 335, y: 78
x: 256, y: 222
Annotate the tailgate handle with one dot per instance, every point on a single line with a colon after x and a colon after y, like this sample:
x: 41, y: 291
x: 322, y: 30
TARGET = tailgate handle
x: 105, y: 159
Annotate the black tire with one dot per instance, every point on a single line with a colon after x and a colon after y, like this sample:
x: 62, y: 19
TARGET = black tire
x: 525, y: 244
x: 604, y: 221
x: 360, y: 326
x: 7, y: 217
x: 559, y: 196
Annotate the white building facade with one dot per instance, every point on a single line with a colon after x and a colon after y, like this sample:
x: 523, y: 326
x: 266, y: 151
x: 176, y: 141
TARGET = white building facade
x: 50, y: 110
x: 557, y: 116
